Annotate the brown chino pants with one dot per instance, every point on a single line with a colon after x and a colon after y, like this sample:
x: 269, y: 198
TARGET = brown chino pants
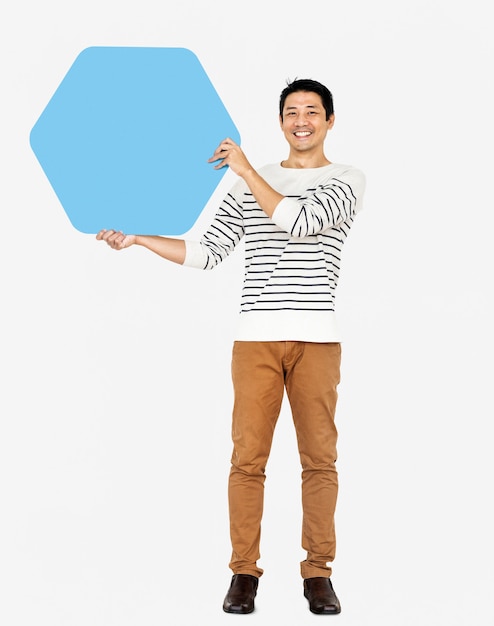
x: 261, y: 371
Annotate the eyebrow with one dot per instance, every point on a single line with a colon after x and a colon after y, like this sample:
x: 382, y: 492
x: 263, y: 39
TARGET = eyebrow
x: 307, y: 106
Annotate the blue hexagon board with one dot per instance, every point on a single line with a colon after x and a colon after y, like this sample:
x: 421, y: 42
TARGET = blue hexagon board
x: 125, y: 139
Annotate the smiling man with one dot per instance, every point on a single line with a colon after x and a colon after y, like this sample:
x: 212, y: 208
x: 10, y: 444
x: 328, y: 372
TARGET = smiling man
x: 294, y: 216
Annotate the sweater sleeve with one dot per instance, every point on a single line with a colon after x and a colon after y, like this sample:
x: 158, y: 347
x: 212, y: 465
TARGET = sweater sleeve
x: 225, y: 232
x: 329, y: 204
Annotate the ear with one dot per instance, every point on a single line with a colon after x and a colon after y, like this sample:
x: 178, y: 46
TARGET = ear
x: 331, y: 121
x: 281, y: 122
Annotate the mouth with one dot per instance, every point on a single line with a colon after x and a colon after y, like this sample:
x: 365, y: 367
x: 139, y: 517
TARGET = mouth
x: 302, y: 133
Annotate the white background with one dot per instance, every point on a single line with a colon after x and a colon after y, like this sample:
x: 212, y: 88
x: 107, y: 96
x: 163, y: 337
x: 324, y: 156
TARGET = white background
x: 116, y: 395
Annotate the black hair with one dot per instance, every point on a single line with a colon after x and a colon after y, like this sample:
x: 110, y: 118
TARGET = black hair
x: 307, y: 84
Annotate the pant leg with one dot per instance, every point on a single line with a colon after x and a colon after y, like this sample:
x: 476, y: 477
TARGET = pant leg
x: 258, y: 392
x: 311, y: 385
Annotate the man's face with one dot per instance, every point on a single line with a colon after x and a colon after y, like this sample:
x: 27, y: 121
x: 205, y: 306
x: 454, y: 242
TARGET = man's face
x: 304, y: 121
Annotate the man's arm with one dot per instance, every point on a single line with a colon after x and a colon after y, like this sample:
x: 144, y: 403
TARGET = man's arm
x: 166, y: 247
x: 175, y: 250
x: 229, y: 153
x: 328, y: 205
x: 312, y: 213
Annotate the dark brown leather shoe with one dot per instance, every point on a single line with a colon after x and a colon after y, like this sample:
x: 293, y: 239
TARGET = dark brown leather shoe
x: 321, y: 596
x: 240, y: 596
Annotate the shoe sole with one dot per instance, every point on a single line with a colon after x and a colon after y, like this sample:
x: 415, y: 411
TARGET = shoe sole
x: 323, y: 612
x: 238, y: 610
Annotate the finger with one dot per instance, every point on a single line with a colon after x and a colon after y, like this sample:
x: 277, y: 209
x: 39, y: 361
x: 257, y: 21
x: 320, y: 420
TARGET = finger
x: 214, y: 158
x: 223, y: 163
x: 105, y: 234
x: 114, y: 239
x: 224, y: 146
x: 220, y: 153
x: 120, y: 241
x: 109, y: 235
x: 232, y: 145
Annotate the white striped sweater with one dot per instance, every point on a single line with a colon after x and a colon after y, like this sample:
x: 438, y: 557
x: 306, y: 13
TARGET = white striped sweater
x: 292, y: 260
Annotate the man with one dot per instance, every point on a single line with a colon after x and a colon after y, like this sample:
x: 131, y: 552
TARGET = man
x: 295, y: 216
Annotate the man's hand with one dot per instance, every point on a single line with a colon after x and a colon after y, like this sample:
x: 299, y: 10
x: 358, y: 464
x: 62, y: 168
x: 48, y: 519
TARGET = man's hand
x: 229, y: 153
x: 116, y: 239
x: 166, y: 247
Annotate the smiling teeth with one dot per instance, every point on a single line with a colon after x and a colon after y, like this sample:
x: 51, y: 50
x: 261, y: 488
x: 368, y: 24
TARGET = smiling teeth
x: 302, y: 134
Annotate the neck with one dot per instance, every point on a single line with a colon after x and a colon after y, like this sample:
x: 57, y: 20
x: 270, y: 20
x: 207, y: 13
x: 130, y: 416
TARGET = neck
x: 303, y: 161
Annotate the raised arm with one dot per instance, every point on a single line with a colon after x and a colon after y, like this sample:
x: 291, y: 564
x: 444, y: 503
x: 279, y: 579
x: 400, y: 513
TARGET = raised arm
x: 314, y: 212
x: 231, y: 154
